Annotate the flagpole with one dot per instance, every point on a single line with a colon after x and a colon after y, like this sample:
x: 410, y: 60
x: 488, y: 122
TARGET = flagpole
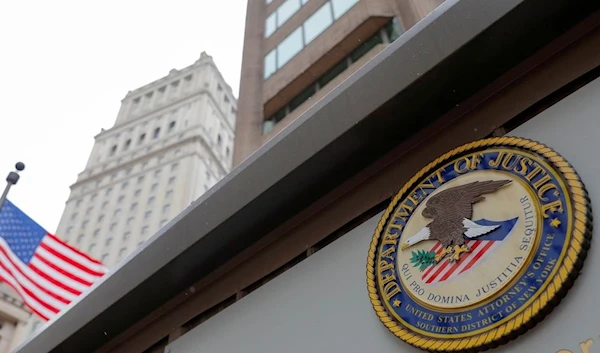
x: 11, y: 179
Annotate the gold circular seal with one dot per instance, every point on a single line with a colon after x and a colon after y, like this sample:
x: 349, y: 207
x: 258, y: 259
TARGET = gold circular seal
x: 479, y: 245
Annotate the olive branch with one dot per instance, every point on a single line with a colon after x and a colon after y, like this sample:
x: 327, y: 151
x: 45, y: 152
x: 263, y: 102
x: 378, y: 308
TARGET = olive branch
x: 422, y: 259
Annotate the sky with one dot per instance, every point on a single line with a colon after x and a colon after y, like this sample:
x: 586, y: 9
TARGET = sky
x: 65, y: 65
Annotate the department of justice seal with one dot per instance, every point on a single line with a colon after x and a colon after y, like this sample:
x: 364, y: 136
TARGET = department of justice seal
x: 479, y: 245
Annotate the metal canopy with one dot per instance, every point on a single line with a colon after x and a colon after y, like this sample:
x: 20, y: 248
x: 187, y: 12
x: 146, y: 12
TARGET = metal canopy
x: 451, y: 54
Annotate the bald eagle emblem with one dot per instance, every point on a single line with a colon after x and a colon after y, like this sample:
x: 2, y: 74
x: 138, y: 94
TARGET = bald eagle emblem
x: 451, y: 211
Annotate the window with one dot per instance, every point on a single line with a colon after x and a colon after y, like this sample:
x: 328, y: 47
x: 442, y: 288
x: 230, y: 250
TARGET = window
x: 133, y: 206
x: 112, y: 227
x: 104, y: 256
x: 219, y: 140
x: 96, y: 233
x: 154, y: 186
x: 166, y: 208
x: 156, y: 132
x: 124, y: 185
x: 79, y: 238
x: 92, y: 198
x: 84, y: 224
x: 121, y: 198
x: 340, y: 7
x: 270, y: 24
x: 142, y: 137
x: 393, y: 30
x: 171, y: 180
x: 151, y: 200
x: 175, y: 83
x: 109, y: 241
x: 287, y: 10
x: 227, y: 151
x: 107, y: 193
x: 219, y: 88
x: 78, y: 203
x: 113, y: 150
x: 92, y: 246
x: 157, y: 173
x: 144, y: 230
x: 117, y: 212
x: 390, y: 31
x: 289, y: 47
x: 88, y: 210
x: 74, y: 215
x: 127, y: 144
x: 100, y: 218
x: 174, y: 167
x: 317, y: 23
x: 122, y: 252
x: 188, y: 78
x: 171, y: 126
x: 137, y: 193
x: 148, y: 214
x: 169, y: 194
x: 226, y: 99
x: 104, y: 204
x: 270, y: 63
x: 126, y: 235
x: 163, y: 222
x: 162, y: 89
x: 305, y: 33
x: 129, y: 221
x: 140, y: 180
x: 69, y: 229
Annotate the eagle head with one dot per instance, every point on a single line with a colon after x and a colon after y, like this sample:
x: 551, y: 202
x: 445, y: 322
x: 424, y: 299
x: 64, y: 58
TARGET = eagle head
x: 421, y: 235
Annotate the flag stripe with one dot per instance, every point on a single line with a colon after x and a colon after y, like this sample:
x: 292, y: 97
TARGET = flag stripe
x: 63, y: 284
x: 81, y: 271
x: 81, y: 256
x: 474, y: 247
x: 476, y: 257
x: 77, y: 257
x: 58, y: 264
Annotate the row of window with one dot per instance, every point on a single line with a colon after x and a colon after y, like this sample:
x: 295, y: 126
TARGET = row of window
x: 316, y: 24
x: 155, y: 135
x: 161, y: 90
x: 283, y: 13
x: 124, y: 186
x: 388, y: 34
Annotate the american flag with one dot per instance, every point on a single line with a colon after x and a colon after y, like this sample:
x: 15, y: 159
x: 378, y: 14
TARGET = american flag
x: 45, y: 271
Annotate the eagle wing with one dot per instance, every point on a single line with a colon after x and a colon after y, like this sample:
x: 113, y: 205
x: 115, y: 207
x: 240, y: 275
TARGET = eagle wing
x: 458, y: 201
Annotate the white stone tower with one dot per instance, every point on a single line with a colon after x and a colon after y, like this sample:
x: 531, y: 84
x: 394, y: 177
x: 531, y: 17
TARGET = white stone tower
x: 172, y: 140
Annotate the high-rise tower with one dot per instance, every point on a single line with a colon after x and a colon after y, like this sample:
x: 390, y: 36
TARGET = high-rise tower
x: 172, y: 140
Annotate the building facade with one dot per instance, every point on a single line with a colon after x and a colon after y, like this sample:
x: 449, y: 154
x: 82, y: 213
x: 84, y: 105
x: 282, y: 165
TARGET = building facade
x: 172, y: 140
x: 296, y: 51
x: 281, y: 255
x: 14, y: 317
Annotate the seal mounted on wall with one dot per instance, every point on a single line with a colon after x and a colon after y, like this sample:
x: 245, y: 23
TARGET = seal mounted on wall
x: 479, y: 245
